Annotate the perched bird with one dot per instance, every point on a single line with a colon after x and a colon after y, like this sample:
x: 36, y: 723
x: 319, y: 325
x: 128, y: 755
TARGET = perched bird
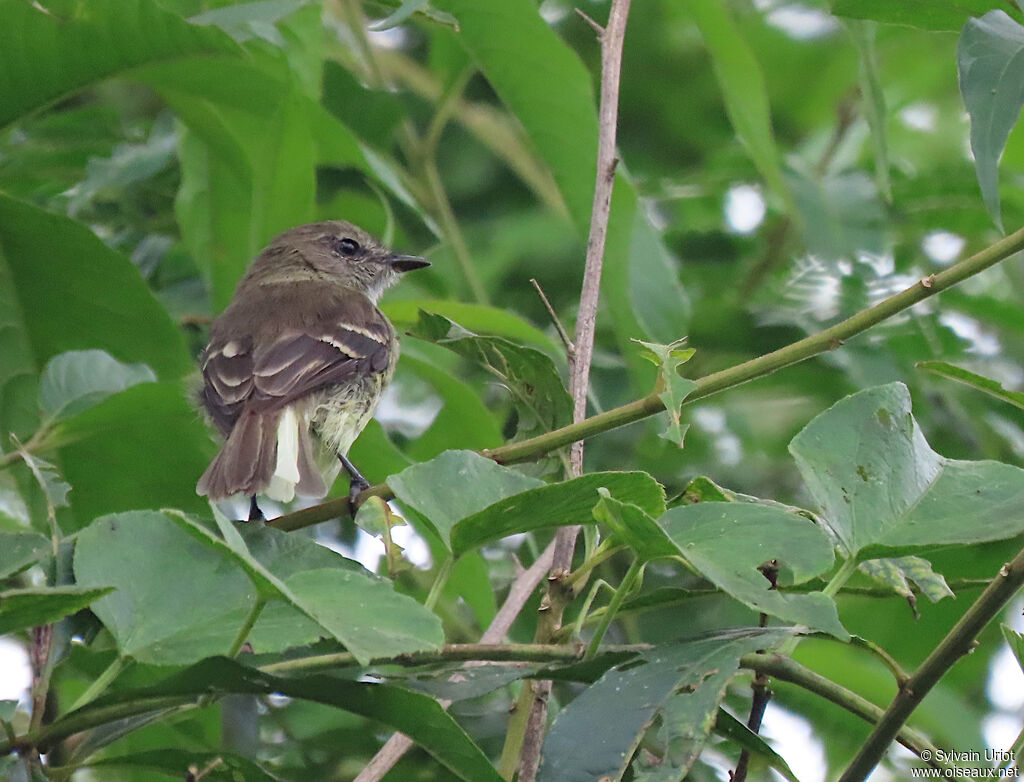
x: 297, y: 363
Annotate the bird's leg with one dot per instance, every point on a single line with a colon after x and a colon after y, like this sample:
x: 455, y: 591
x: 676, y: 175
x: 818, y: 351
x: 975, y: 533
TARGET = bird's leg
x: 356, y: 483
x: 255, y: 514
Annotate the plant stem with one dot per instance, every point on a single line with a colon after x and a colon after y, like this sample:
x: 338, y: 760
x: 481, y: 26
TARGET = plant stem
x: 246, y: 628
x: 838, y: 581
x: 769, y: 664
x: 887, y: 659
x: 101, y: 682
x: 789, y: 670
x: 628, y: 581
x: 958, y: 641
x: 440, y: 580
x: 829, y: 339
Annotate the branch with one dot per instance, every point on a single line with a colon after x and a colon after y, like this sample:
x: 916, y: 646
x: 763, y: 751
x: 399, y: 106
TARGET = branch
x: 789, y: 670
x: 958, y: 642
x: 808, y: 347
x: 769, y: 664
x: 612, y: 38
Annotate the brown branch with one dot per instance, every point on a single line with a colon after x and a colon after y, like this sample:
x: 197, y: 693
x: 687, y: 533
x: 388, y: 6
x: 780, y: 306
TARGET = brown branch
x: 612, y: 40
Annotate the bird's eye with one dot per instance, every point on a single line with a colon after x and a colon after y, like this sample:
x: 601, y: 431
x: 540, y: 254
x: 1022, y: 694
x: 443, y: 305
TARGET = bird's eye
x: 346, y: 246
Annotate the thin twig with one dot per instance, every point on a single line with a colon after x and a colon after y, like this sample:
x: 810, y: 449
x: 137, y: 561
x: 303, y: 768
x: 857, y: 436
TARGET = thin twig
x: 570, y: 349
x: 958, y: 642
x: 612, y: 41
x: 598, y: 29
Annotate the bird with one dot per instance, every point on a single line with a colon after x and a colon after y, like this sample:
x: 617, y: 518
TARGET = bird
x: 297, y: 362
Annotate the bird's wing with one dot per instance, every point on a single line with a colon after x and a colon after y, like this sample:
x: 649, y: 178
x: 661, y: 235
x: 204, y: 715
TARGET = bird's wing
x: 300, y: 359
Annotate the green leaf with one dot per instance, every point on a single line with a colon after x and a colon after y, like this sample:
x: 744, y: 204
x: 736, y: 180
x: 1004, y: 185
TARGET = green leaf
x: 418, y: 716
x: 82, y: 294
x: 926, y: 14
x: 365, y: 614
x: 18, y: 550
x: 873, y: 101
x: 529, y: 375
x: 634, y: 527
x: 884, y: 491
x: 23, y: 608
x: 53, y: 51
x: 456, y: 485
x: 555, y: 505
x: 991, y: 71
x: 981, y: 383
x: 8, y: 709
x: 142, y: 448
x: 141, y: 552
x: 727, y: 543
x: 54, y: 487
x: 744, y: 90
x: 1016, y: 643
x: 727, y: 726
x: 406, y: 9
x: 895, y: 573
x: 480, y: 318
x: 683, y: 682
x: 668, y: 359
x: 231, y: 203
x: 76, y: 380
x: 160, y: 611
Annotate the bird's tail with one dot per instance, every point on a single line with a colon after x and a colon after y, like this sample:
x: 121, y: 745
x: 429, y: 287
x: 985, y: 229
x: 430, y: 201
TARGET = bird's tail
x: 267, y: 453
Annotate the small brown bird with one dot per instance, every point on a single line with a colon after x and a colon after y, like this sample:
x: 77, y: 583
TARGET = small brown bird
x: 301, y: 350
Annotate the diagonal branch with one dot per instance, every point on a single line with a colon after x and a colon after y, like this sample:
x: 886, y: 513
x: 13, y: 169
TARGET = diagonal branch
x: 808, y: 347
x: 958, y: 642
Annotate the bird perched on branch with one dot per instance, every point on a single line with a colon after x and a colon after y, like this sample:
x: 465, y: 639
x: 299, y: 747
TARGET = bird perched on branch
x: 297, y: 363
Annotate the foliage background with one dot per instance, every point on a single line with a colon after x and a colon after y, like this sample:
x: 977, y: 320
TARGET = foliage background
x: 153, y: 146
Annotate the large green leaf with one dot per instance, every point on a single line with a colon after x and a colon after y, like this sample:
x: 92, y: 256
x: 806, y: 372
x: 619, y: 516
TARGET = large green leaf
x: 991, y: 77
x: 455, y: 485
x: 418, y: 716
x: 883, y: 490
x: 81, y: 294
x: 727, y: 543
x: 142, y: 552
x: 141, y: 448
x: 684, y: 682
x: 232, y: 202
x: 51, y: 51
x: 555, y: 505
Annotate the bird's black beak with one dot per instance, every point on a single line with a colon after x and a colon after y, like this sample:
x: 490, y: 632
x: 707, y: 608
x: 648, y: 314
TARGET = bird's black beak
x: 406, y: 263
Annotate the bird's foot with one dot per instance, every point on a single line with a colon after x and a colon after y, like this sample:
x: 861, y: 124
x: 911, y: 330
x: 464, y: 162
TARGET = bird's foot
x: 255, y: 514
